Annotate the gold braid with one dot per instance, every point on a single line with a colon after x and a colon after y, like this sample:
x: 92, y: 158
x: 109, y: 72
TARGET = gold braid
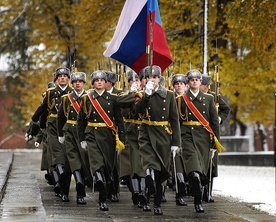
x: 87, y: 112
x: 51, y: 103
x: 182, y: 116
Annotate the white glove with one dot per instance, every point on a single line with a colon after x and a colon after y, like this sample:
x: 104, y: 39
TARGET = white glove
x: 135, y: 86
x: 212, y: 152
x: 219, y: 120
x: 61, y: 139
x: 175, y: 150
x: 149, y: 87
x: 28, y: 137
x: 84, y: 145
x: 36, y: 144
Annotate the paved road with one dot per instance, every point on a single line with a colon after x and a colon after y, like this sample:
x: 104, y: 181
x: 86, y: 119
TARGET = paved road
x: 29, y: 198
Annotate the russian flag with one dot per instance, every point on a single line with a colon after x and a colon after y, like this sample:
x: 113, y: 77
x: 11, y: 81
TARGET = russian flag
x: 133, y: 34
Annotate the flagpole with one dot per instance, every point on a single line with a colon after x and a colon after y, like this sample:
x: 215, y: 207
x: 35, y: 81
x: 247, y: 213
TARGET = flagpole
x: 150, y: 46
x: 205, y: 37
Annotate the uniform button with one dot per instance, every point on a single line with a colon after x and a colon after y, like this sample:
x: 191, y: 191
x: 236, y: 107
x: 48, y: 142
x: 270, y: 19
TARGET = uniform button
x: 149, y: 107
x: 203, y: 112
x: 164, y: 108
x: 192, y: 128
x: 108, y: 104
x: 94, y: 112
x: 95, y: 120
x: 108, y: 111
x: 203, y: 104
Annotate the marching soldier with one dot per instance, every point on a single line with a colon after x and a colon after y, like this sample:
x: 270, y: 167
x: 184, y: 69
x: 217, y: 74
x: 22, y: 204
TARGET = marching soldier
x: 159, y: 133
x: 59, y: 161
x: 179, y: 85
x: 113, y: 189
x: 198, y: 118
x: 132, y: 123
x: 223, y: 113
x: 67, y: 132
x: 100, y: 129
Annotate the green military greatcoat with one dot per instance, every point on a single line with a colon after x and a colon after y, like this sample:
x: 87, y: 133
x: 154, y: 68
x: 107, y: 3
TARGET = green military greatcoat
x: 50, y: 103
x: 195, y: 138
x: 101, y: 143
x: 67, y: 127
x: 132, y: 124
x: 155, y: 141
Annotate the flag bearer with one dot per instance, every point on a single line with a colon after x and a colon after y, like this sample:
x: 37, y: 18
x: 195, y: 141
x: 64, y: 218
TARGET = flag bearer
x: 159, y: 133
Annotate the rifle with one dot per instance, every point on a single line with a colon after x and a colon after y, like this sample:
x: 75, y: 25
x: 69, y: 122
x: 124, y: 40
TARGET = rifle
x: 216, y: 78
x: 71, y: 60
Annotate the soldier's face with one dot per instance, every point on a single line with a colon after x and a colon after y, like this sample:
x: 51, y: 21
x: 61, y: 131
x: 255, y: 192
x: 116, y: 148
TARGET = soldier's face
x: 63, y: 80
x: 204, y: 88
x: 156, y: 80
x: 99, y: 84
x: 78, y: 85
x: 179, y: 87
x: 194, y: 83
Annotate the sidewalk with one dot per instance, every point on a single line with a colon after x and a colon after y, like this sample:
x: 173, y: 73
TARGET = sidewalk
x: 29, y: 198
x: 6, y: 159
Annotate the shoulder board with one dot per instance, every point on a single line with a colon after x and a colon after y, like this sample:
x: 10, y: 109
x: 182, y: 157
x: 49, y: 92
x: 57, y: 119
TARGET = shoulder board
x: 123, y: 93
x: 113, y: 94
x: 209, y: 94
x: 50, y: 89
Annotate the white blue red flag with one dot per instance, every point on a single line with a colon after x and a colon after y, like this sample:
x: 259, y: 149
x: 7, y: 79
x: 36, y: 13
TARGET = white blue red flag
x: 133, y: 35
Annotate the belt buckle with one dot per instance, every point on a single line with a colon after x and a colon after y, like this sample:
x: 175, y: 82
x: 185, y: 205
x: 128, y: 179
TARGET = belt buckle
x: 154, y: 123
x: 99, y: 124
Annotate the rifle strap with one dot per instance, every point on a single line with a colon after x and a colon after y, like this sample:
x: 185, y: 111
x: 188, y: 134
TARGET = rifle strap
x: 203, y: 121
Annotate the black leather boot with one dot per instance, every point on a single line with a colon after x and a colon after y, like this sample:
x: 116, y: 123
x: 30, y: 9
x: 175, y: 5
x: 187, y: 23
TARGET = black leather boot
x: 197, y: 188
x: 143, y: 195
x: 157, y: 210
x: 57, y: 186
x: 135, y: 191
x: 179, y: 199
x: 61, y: 173
x: 158, y: 195
x: 206, y: 196
x: 114, y: 187
x: 101, y: 187
x: 163, y: 200
x: 49, y: 178
x: 80, y: 188
x: 150, y: 183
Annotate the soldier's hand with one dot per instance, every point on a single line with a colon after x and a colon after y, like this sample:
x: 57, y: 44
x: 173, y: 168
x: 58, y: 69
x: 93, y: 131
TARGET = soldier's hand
x: 135, y: 86
x: 175, y: 150
x: 61, y: 139
x: 28, y: 137
x: 212, y: 152
x: 84, y: 145
x: 149, y: 87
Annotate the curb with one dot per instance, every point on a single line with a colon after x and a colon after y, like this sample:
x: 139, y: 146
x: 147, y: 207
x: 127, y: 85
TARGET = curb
x: 6, y: 160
